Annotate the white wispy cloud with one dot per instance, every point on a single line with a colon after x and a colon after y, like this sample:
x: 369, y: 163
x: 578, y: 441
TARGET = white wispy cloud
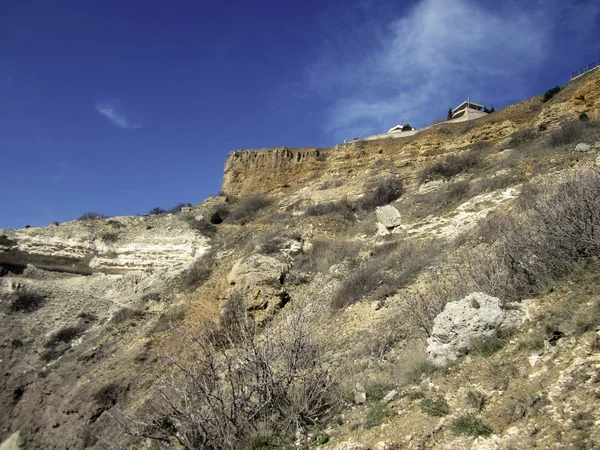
x: 112, y: 111
x: 433, y: 56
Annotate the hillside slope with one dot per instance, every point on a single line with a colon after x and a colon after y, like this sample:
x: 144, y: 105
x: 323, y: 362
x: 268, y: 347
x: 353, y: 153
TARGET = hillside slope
x: 115, y: 330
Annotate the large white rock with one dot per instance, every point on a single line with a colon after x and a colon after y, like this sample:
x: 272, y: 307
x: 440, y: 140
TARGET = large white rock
x: 583, y: 147
x: 475, y: 316
x: 388, y: 216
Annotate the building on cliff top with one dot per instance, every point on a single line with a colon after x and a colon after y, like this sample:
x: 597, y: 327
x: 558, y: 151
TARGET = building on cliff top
x: 401, y: 128
x: 468, y: 110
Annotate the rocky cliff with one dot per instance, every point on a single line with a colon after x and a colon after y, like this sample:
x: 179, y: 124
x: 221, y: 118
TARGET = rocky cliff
x: 116, y: 246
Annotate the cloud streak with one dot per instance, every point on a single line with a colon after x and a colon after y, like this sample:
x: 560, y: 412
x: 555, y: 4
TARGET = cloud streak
x: 434, y: 55
x: 112, y: 111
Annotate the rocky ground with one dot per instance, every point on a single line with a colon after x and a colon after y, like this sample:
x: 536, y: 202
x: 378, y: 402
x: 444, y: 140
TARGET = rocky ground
x: 92, y: 310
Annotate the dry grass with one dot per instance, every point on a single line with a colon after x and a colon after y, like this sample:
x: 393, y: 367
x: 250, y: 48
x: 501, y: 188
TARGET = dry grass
x: 452, y: 165
x: 248, y: 208
x: 381, y: 192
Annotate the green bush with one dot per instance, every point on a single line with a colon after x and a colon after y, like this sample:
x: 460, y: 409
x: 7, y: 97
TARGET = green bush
x: 471, y: 425
x: 320, y: 439
x: 157, y: 211
x: 375, y: 414
x: 550, y: 93
x: 436, y: 407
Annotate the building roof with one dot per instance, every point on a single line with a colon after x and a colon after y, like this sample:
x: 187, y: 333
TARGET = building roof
x: 470, y: 104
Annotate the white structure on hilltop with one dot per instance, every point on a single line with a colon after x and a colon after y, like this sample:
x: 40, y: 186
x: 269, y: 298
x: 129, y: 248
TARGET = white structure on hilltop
x: 468, y: 111
x: 400, y: 129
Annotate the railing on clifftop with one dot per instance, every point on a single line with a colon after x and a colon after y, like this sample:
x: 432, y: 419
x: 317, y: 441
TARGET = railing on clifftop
x: 585, y: 69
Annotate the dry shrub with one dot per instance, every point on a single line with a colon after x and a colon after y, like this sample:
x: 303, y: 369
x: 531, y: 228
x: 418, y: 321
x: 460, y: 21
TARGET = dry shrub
x: 381, y: 192
x: 27, y: 302
x: 268, y: 243
x: 203, y: 226
x: 385, y: 274
x: 126, y: 315
x: 553, y: 226
x: 521, y: 137
x: 341, y: 208
x: 110, y: 237
x: 452, y: 165
x: 572, y: 132
x: 491, y: 184
x: 325, y: 253
x: 198, y: 272
x: 220, y: 396
x: 248, y: 208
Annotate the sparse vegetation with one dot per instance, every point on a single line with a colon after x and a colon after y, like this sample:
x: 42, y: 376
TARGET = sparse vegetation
x: 203, y: 226
x: 452, y: 165
x: 436, y: 407
x: 341, y: 208
x: 376, y: 412
x: 219, y: 214
x: 471, y: 425
x: 110, y: 237
x: 476, y: 400
x: 488, y: 345
x: 572, y: 132
x: 92, y: 216
x: 197, y: 273
x: 521, y: 137
x: 126, y: 315
x: 550, y: 93
x: 108, y: 395
x: 248, y: 208
x: 65, y: 335
x: 381, y: 192
x: 157, y: 211
x: 27, y: 302
x: 214, y: 402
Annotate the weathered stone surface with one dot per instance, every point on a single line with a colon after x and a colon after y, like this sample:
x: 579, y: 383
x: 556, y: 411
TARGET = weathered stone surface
x: 112, y: 246
x: 475, y: 316
x: 258, y: 278
x: 583, y: 147
x: 390, y: 396
x: 388, y: 216
x: 350, y: 446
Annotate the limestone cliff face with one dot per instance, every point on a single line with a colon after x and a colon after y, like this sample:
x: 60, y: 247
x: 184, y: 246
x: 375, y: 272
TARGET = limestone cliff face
x: 265, y: 170
x: 114, y: 246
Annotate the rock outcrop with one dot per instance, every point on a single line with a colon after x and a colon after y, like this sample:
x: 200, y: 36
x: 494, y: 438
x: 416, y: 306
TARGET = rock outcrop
x: 259, y: 279
x: 113, y: 246
x: 261, y: 171
x: 388, y: 216
x: 476, y: 316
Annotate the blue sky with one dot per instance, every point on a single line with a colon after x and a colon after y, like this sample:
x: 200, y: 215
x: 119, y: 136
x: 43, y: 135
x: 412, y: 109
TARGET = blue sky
x: 120, y: 106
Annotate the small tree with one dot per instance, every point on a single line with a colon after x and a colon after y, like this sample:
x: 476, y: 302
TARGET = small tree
x: 449, y: 114
x: 407, y: 127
